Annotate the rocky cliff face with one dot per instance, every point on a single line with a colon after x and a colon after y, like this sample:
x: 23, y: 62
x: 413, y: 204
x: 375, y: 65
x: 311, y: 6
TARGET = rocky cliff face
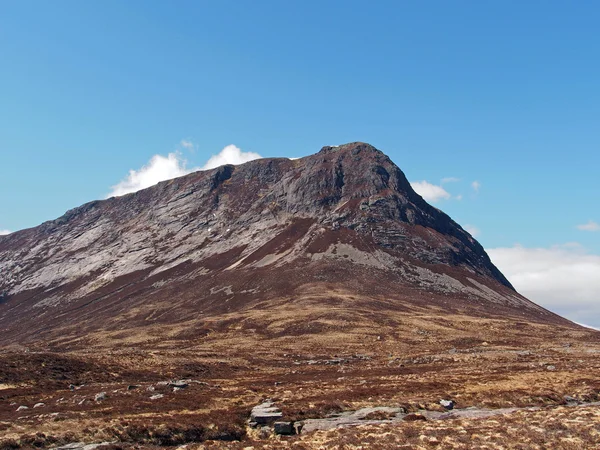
x: 233, y: 238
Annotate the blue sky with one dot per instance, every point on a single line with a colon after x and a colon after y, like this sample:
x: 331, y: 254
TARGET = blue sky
x: 498, y: 92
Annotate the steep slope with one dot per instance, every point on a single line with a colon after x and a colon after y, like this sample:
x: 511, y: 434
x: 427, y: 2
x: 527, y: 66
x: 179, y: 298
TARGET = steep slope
x: 265, y: 240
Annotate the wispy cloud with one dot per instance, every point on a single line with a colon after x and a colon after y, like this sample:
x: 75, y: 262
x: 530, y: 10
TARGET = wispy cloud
x: 450, y: 180
x: 476, y: 185
x: 430, y: 192
x: 187, y: 144
x: 590, y: 226
x: 3, y: 232
x: 161, y: 168
x: 563, y: 278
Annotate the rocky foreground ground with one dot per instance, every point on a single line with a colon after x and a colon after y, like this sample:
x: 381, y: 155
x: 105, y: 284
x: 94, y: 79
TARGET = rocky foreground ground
x: 200, y: 393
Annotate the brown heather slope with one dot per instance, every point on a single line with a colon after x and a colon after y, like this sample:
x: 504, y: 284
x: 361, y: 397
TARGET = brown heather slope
x: 324, y: 283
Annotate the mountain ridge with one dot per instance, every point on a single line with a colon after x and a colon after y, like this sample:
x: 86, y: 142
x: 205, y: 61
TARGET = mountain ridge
x: 229, y: 230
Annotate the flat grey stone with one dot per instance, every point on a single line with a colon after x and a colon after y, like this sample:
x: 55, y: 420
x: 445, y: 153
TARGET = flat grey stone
x: 285, y: 428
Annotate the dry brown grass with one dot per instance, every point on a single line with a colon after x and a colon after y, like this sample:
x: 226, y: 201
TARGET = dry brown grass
x: 238, y: 364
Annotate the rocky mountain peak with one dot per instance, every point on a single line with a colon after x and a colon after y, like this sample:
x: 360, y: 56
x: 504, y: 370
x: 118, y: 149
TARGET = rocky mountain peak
x: 226, y: 238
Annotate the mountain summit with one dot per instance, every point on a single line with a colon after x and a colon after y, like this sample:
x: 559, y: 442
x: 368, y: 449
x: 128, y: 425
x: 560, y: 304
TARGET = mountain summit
x: 273, y: 244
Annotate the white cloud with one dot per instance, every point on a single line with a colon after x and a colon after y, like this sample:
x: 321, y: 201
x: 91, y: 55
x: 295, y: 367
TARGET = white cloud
x: 161, y: 168
x: 3, y: 232
x: 450, y: 180
x: 472, y: 230
x: 430, y: 192
x: 187, y: 144
x: 590, y: 226
x: 476, y: 185
x: 230, y: 155
x: 563, y: 278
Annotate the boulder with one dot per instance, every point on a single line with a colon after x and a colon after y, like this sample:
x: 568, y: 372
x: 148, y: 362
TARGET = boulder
x: 448, y: 404
x: 265, y: 413
x: 39, y: 405
x: 100, y: 396
x: 22, y: 408
x: 285, y: 428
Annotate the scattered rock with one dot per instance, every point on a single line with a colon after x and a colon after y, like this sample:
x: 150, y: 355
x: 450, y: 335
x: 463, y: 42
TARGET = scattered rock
x: 22, y: 408
x: 265, y: 413
x: 39, y: 405
x: 156, y: 396
x: 448, y: 404
x: 181, y: 384
x: 81, y: 446
x: 285, y: 428
x: 335, y: 361
x: 550, y: 367
x: 132, y: 387
x: 100, y: 396
x: 571, y: 400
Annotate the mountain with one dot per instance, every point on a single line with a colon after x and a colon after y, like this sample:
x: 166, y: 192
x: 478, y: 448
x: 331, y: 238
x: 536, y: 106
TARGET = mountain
x: 342, y: 227
x: 325, y: 284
